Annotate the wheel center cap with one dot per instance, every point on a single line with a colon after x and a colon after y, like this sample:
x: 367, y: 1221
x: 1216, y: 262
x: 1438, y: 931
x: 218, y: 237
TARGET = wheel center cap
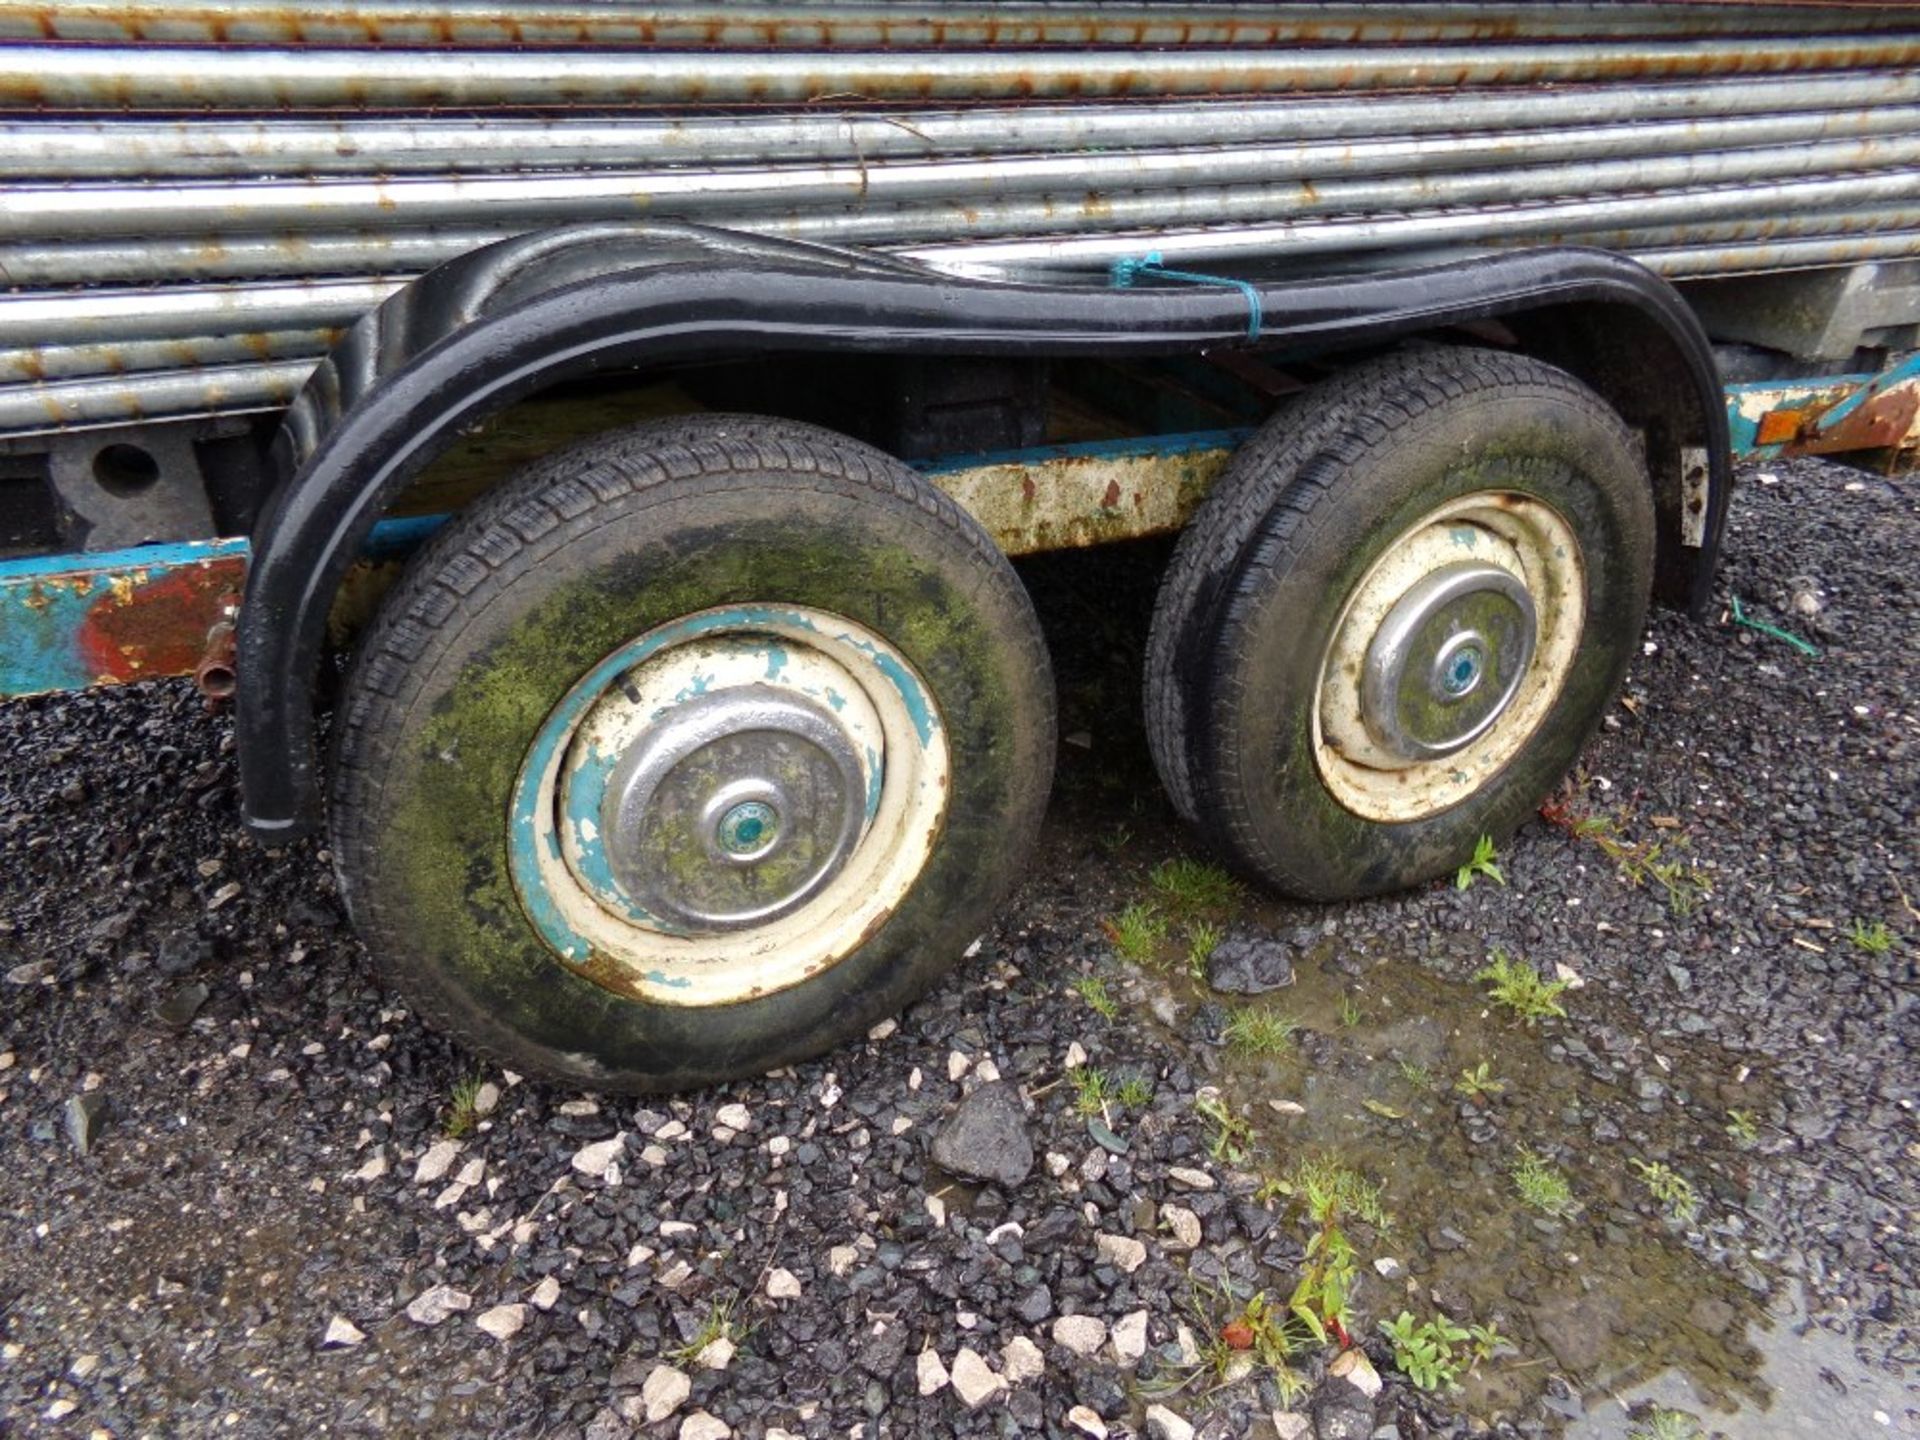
x: 726, y: 810
x: 1447, y: 658
x: 749, y: 830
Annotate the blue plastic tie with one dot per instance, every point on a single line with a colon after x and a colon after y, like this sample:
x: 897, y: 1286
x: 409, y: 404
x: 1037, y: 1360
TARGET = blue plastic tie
x: 1126, y: 270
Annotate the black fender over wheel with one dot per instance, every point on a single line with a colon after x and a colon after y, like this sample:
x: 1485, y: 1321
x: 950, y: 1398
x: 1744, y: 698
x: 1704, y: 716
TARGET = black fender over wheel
x: 1398, y: 618
x: 692, y: 750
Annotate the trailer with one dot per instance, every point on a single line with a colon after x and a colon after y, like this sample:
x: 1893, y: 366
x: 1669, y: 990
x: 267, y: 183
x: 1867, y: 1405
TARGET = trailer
x: 653, y: 396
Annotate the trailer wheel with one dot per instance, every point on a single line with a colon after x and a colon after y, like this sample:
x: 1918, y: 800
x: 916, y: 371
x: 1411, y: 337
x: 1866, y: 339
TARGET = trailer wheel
x: 691, y: 751
x: 1399, y: 617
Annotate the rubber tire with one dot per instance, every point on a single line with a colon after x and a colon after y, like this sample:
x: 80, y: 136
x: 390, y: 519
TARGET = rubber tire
x: 581, y: 552
x: 1262, y: 574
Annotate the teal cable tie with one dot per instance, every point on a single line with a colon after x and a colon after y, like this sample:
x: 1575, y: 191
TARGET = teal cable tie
x: 1740, y: 618
x: 1128, y: 269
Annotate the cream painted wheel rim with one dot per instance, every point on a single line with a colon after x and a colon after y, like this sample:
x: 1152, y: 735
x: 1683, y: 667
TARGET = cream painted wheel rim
x: 1448, y: 655
x: 729, y: 805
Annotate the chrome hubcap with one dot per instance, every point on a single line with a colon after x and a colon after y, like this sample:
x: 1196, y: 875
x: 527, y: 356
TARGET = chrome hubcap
x: 729, y: 804
x: 731, y: 811
x: 1447, y: 660
x: 1447, y: 655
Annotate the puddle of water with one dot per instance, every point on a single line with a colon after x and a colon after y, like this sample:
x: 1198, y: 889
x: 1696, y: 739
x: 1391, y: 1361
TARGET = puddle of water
x: 1816, y: 1389
x: 1607, y: 1299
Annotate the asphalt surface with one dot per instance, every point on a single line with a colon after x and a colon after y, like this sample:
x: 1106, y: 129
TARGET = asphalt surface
x: 267, y: 1157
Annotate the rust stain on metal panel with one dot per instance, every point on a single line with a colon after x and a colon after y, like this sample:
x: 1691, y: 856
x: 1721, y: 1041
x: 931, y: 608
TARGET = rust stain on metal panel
x: 141, y: 627
x: 1886, y: 422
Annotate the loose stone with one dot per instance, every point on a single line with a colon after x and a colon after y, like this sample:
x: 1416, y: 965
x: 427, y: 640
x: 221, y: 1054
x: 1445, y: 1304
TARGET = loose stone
x: 436, y: 1303
x: 502, y: 1322
x: 1082, y: 1334
x: 973, y: 1381
x: 664, y: 1391
x: 1123, y: 1252
x: 929, y: 1372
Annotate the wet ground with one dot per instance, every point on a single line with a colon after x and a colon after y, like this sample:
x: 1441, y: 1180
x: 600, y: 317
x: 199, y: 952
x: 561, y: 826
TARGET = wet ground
x: 1728, y: 1100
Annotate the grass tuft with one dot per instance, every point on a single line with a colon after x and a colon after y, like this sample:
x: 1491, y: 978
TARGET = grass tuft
x: 1189, y: 888
x: 1520, y: 989
x: 1136, y: 933
x: 1875, y: 939
x: 1093, y: 990
x: 1542, y: 1185
x: 1260, y: 1032
x: 463, y: 1109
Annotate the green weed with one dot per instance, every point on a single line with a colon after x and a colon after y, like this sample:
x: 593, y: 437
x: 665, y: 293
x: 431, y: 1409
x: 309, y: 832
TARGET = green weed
x: 1479, y: 1082
x: 1649, y: 860
x: 1418, y: 1076
x: 1424, y: 1350
x: 1188, y: 888
x: 1480, y: 863
x: 1875, y: 939
x: 1742, y: 1127
x: 1327, y: 1188
x: 1673, y: 1192
x: 1435, y: 1353
x: 1542, y: 1185
x: 717, y: 1324
x: 1666, y: 1425
x: 1350, y: 1014
x: 1517, y: 986
x: 1135, y: 1092
x: 463, y: 1108
x: 1202, y: 940
x: 1093, y: 990
x: 1091, y: 1090
x: 1136, y: 933
x: 1232, y: 1137
x: 1260, y: 1032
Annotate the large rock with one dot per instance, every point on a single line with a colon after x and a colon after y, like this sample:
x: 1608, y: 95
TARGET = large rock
x: 985, y: 1138
x: 1249, y: 965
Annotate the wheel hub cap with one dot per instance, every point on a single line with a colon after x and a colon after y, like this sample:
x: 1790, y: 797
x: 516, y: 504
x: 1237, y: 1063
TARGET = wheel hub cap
x: 734, y: 809
x: 1449, y: 652
x: 729, y: 804
x: 1447, y: 660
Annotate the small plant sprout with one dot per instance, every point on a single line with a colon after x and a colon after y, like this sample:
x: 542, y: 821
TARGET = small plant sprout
x: 1135, y: 1092
x: 1254, y: 1031
x: 1481, y: 862
x: 1093, y: 990
x: 1232, y: 1137
x: 1875, y: 939
x: 463, y: 1108
x: 1189, y: 888
x: 1663, y: 1424
x: 1091, y: 1090
x: 1517, y: 986
x: 1136, y: 933
x: 1202, y: 940
x: 718, y: 1323
x: 1670, y: 1190
x: 1425, y: 1349
x: 1328, y: 1188
x: 1742, y: 1127
x: 1350, y: 1013
x: 1541, y: 1185
x: 1479, y: 1082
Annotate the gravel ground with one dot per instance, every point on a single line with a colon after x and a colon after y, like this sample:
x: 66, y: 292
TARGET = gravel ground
x: 232, y: 1205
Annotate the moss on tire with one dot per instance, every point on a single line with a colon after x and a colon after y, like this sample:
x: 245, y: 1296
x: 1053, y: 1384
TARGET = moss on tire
x: 568, y: 561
